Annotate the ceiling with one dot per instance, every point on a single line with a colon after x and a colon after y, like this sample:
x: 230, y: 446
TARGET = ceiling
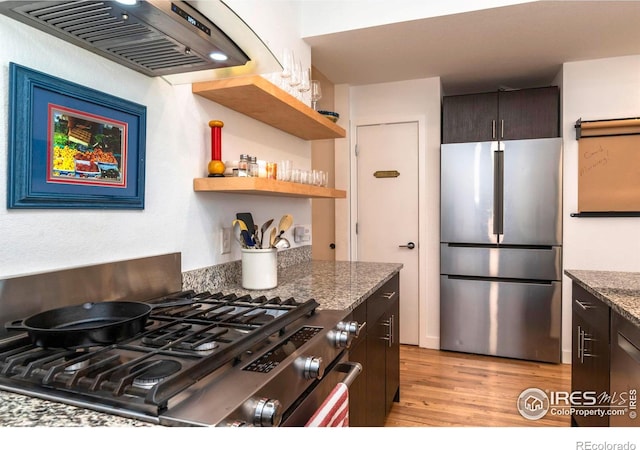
x: 515, y: 46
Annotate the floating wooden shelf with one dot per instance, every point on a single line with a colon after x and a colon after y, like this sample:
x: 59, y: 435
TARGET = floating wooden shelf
x: 256, y: 97
x: 264, y: 186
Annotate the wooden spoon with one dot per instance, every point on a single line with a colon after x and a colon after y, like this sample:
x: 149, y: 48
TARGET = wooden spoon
x: 272, y: 238
x: 285, y: 223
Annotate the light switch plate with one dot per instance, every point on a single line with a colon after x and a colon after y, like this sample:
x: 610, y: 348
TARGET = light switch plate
x: 225, y: 241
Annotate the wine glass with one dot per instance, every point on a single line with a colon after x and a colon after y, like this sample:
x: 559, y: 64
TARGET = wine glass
x: 294, y: 79
x: 305, y: 83
x: 287, y: 66
x: 316, y: 93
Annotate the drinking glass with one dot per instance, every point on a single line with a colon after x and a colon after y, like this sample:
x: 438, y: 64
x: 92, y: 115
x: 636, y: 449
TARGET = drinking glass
x: 295, y: 175
x: 317, y: 177
x: 325, y: 179
x: 316, y: 93
x: 284, y: 172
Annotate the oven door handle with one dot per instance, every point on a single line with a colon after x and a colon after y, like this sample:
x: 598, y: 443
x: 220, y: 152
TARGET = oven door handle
x: 352, y: 369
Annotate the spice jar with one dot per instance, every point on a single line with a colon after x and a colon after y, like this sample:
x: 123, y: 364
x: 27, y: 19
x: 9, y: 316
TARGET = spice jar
x: 253, y: 166
x: 243, y: 166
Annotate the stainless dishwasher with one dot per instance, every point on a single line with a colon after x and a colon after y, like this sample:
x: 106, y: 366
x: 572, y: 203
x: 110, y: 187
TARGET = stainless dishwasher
x: 625, y: 369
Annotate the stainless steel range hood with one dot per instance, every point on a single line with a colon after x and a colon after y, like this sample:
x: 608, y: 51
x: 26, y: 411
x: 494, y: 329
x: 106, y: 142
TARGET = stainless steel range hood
x: 154, y: 37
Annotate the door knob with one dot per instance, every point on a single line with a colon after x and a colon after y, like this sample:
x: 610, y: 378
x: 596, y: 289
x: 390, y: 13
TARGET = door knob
x: 410, y: 246
x: 332, y: 246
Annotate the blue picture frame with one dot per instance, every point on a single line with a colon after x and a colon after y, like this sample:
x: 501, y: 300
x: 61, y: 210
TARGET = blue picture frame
x: 71, y: 146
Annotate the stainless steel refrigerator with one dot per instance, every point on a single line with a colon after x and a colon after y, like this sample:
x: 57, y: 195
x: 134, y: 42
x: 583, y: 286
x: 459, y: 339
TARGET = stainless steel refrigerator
x: 501, y: 248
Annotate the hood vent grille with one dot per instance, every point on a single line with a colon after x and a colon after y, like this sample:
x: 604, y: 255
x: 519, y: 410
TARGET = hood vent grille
x: 149, y: 37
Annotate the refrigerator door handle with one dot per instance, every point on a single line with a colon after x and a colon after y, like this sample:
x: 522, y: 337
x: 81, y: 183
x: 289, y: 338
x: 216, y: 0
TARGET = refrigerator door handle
x: 500, y: 279
x: 498, y: 193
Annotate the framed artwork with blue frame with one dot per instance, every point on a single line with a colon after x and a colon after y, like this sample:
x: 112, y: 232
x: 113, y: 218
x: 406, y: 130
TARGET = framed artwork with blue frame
x: 71, y: 146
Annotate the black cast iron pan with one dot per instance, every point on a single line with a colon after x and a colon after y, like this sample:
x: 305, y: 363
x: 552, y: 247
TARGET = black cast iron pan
x: 89, y: 323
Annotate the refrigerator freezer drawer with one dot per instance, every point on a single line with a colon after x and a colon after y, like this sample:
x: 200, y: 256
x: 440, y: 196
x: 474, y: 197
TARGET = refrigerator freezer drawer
x: 501, y: 262
x: 500, y: 318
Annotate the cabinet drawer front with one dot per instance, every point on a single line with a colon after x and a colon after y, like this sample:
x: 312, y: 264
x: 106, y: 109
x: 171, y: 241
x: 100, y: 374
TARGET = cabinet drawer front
x: 500, y: 318
x: 382, y: 299
x: 530, y: 263
x: 593, y: 310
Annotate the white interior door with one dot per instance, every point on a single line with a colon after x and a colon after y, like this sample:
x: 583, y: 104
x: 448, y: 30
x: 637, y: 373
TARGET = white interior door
x: 388, y: 209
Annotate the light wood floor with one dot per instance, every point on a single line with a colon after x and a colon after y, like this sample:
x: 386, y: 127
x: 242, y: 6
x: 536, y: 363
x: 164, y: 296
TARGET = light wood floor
x: 447, y: 389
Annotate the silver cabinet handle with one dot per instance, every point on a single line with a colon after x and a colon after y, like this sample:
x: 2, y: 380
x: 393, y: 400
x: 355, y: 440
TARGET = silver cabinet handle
x: 493, y: 129
x: 388, y: 295
x: 392, y: 320
x: 502, y: 129
x: 582, y: 350
x: 389, y: 323
x: 387, y: 337
x: 582, y: 304
x: 580, y: 357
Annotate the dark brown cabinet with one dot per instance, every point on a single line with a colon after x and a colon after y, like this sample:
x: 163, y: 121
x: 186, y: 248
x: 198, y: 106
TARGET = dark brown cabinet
x: 502, y: 115
x: 590, y: 367
x: 358, y: 389
x: 378, y: 349
x: 625, y: 371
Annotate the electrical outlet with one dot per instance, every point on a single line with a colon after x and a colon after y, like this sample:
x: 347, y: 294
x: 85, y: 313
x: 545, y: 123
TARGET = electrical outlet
x: 225, y: 241
x: 301, y: 233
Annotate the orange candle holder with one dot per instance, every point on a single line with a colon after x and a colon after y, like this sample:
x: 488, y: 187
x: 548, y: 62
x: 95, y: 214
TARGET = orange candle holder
x: 216, y: 167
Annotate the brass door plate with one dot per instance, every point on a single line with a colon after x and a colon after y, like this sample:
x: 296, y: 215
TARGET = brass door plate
x: 386, y: 174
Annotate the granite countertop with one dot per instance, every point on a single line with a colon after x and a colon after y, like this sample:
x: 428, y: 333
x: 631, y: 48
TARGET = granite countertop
x: 21, y: 411
x: 619, y: 290
x: 334, y: 285
x: 339, y: 285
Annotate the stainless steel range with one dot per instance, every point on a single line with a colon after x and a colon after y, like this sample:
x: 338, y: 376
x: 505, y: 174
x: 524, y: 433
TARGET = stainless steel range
x: 201, y: 359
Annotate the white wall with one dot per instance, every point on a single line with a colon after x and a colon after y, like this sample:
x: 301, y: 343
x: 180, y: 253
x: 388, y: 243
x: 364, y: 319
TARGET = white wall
x: 175, y: 218
x: 278, y: 24
x: 391, y: 102
x: 320, y: 17
x: 593, y: 90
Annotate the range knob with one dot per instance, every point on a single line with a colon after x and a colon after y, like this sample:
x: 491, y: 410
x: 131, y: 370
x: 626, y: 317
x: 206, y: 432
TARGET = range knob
x: 233, y: 424
x: 268, y: 413
x: 351, y: 327
x: 340, y: 338
x: 313, y: 367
